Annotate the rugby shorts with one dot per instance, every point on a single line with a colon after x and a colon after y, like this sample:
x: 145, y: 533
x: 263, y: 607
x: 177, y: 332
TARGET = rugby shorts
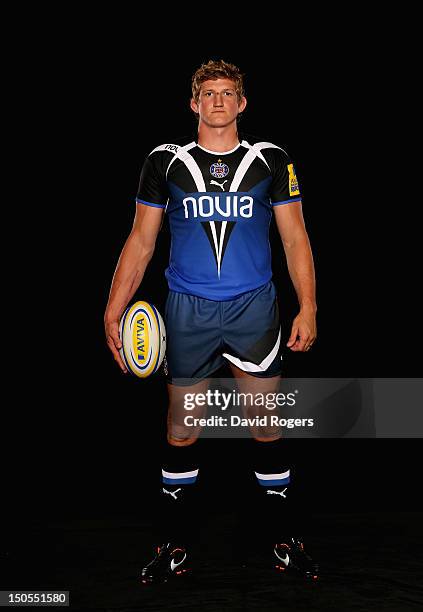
x: 202, y: 334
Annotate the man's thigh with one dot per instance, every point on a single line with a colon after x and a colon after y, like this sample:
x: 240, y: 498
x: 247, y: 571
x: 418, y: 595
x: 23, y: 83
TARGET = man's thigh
x: 256, y: 392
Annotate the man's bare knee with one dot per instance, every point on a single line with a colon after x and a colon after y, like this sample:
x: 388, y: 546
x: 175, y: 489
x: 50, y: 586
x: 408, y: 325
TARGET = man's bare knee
x: 181, y: 441
x: 271, y: 438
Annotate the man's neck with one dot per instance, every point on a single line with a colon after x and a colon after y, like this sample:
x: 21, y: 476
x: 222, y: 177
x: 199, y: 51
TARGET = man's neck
x: 218, y: 139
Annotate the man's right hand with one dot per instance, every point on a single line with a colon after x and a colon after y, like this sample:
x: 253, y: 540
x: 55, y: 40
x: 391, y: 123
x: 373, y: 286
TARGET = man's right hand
x: 136, y: 254
x: 114, y: 342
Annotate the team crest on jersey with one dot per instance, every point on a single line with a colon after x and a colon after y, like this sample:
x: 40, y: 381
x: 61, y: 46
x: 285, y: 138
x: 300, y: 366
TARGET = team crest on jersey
x: 219, y: 169
x: 293, y: 182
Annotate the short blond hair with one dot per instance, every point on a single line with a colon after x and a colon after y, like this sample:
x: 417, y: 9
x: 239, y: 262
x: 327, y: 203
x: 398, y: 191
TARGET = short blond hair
x: 217, y: 69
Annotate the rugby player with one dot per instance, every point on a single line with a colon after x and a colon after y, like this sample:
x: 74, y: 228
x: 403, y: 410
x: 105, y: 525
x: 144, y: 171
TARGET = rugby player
x: 220, y: 189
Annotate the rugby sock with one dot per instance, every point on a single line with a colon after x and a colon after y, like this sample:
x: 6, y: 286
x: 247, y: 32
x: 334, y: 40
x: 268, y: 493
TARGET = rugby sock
x: 177, y: 494
x: 275, y: 496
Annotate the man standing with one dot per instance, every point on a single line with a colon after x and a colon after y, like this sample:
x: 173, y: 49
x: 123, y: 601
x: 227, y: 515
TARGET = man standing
x: 219, y: 191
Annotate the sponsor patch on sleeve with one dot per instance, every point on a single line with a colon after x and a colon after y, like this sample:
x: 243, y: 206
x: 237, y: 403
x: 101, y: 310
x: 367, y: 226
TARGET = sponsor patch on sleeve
x: 293, y: 182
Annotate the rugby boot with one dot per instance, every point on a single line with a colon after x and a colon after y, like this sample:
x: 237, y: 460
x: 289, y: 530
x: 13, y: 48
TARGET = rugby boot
x: 170, y: 561
x: 290, y: 556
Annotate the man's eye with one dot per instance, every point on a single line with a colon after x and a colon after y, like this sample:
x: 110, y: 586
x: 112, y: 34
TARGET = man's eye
x: 229, y: 93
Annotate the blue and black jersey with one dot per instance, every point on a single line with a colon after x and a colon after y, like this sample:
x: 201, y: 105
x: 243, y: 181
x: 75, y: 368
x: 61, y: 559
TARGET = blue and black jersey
x: 219, y: 207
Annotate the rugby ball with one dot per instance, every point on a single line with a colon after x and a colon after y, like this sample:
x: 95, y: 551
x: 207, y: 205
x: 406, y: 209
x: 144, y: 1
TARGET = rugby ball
x: 143, y: 336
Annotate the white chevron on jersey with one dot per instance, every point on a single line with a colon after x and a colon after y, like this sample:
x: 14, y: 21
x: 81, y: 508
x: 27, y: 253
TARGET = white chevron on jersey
x: 182, y: 154
x: 191, y: 164
x: 248, y: 366
x: 253, y: 152
x: 256, y: 147
x: 218, y: 247
x: 246, y: 162
x: 267, y: 145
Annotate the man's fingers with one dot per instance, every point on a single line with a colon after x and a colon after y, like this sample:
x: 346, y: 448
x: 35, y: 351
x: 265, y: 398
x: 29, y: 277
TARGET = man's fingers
x: 293, y: 336
x: 303, y: 342
x: 112, y: 346
x: 114, y: 333
x: 303, y: 334
x: 298, y: 339
x: 114, y: 343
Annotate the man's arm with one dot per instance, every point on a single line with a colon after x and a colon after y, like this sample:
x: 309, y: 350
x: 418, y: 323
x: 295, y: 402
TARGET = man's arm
x: 136, y: 254
x: 290, y: 223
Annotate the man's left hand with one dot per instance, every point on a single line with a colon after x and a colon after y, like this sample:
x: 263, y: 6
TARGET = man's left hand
x: 303, y: 332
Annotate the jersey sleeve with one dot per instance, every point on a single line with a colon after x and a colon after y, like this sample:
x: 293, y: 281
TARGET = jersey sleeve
x: 152, y: 189
x: 284, y: 188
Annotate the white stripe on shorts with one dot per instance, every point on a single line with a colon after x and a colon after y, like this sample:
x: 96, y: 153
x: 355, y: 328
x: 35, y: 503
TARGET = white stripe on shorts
x: 247, y: 366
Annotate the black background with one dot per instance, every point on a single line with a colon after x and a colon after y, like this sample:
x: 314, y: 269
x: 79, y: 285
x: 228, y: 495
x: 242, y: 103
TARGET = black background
x: 89, y: 443
x: 80, y: 444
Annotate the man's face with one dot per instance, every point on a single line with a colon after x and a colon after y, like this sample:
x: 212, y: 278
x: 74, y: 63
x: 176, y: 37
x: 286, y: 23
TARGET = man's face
x: 218, y: 103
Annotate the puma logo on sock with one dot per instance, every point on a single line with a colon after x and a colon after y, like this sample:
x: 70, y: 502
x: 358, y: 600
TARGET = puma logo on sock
x: 277, y: 492
x: 172, y: 493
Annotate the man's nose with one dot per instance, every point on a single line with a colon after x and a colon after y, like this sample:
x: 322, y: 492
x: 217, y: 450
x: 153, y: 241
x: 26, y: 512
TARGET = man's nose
x: 218, y: 100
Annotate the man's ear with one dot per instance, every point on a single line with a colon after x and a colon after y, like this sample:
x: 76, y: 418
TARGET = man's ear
x: 242, y: 104
x: 194, y: 106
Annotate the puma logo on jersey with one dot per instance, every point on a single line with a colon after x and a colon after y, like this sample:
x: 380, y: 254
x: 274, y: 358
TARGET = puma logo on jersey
x: 226, y: 206
x: 220, y: 184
